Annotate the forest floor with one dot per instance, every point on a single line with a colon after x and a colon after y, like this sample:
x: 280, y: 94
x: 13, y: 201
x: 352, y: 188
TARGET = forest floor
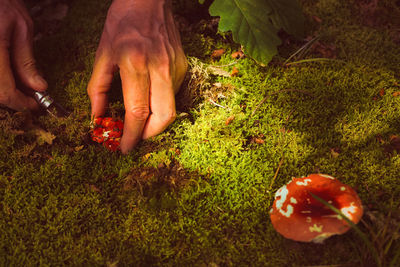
x: 199, y: 194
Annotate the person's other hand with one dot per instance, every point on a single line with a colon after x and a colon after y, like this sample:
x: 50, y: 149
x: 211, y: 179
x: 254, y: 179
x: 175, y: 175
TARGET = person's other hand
x: 16, y: 56
x: 141, y: 40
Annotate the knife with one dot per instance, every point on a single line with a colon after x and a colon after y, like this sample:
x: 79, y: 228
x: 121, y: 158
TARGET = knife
x: 47, y: 102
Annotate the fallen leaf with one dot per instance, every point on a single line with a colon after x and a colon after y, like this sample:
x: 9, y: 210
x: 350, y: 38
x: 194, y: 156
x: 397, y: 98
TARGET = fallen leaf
x: 394, y: 138
x: 229, y: 119
x: 94, y: 188
x: 237, y: 55
x: 42, y: 136
x: 335, y: 152
x: 217, y: 53
x: 78, y: 148
x: 259, y: 141
x: 235, y: 72
x: 396, y: 93
x: 382, y: 92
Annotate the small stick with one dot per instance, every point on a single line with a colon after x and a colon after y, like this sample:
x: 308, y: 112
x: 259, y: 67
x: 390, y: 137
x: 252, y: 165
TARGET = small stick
x: 276, y: 173
x: 216, y: 104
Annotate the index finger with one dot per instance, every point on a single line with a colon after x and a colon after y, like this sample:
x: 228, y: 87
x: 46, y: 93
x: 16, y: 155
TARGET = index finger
x: 135, y: 87
x: 99, y: 84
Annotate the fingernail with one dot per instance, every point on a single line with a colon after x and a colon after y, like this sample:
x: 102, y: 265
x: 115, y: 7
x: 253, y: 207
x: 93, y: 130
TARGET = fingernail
x: 40, y: 81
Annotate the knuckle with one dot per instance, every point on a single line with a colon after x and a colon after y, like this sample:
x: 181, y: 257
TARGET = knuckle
x: 139, y: 113
x: 168, y: 116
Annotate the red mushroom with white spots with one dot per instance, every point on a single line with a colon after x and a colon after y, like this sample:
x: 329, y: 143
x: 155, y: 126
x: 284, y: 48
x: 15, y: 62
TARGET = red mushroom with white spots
x: 298, y: 216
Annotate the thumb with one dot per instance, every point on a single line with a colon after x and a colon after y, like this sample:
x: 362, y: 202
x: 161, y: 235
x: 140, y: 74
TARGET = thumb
x: 24, y: 64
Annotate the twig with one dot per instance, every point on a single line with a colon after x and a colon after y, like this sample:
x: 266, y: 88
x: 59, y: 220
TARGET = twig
x: 318, y: 59
x: 226, y: 65
x: 277, y: 92
x: 303, y: 50
x: 276, y: 173
x: 216, y: 104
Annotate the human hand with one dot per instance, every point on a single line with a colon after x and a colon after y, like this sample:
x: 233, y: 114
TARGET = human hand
x: 141, y: 40
x: 16, y: 56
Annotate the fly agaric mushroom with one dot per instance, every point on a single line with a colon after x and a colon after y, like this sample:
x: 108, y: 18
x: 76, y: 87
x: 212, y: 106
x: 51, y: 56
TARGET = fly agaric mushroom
x: 107, y: 131
x: 297, y: 215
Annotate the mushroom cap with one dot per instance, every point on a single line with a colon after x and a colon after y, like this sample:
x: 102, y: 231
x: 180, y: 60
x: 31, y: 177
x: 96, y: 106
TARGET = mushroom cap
x: 297, y: 215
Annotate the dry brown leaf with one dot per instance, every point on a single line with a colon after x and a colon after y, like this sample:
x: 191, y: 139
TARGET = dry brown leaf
x: 78, y: 148
x: 42, y: 136
x: 395, y: 94
x: 335, y: 152
x: 382, y: 92
x: 259, y: 141
x: 237, y: 55
x: 235, y: 72
x: 94, y: 188
x: 217, y: 53
x: 229, y: 120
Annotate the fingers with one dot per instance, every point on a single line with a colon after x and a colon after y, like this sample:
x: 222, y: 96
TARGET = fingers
x: 162, y: 104
x: 9, y: 95
x: 100, y: 82
x: 23, y: 59
x: 135, y: 86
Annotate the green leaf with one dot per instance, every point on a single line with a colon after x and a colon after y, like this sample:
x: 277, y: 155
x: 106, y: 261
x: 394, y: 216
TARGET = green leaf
x: 255, y: 23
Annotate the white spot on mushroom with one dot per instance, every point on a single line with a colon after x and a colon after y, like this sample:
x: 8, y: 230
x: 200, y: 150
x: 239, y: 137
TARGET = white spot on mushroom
x: 342, y: 188
x: 327, y: 176
x: 106, y: 134
x: 316, y: 228
x: 330, y: 202
x: 309, y: 219
x: 271, y: 210
x: 305, y: 183
x: 293, y: 200
x: 349, y: 210
x: 288, y: 212
x: 282, y: 193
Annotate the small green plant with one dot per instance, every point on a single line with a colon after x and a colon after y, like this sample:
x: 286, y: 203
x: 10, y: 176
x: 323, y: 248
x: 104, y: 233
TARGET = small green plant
x: 255, y: 23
